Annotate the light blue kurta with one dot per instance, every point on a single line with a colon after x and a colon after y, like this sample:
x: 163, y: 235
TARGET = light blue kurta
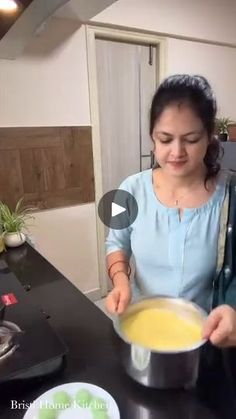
x: 173, y: 257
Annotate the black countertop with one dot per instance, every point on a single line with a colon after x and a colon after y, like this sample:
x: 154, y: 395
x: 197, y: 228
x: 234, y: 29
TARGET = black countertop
x: 93, y: 354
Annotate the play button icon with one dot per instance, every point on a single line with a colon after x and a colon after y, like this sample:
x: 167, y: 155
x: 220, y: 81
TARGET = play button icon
x: 118, y: 209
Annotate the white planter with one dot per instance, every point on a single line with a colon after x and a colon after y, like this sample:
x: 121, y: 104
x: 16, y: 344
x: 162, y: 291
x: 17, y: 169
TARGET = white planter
x: 14, y: 239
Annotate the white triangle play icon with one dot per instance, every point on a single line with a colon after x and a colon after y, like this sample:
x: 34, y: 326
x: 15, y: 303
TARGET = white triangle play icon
x: 116, y: 209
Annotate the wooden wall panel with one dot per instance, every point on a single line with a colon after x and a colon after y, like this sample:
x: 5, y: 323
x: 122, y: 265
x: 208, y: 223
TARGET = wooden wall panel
x: 50, y: 166
x: 10, y: 176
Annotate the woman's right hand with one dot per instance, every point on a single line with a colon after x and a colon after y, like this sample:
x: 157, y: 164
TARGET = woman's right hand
x: 119, y: 298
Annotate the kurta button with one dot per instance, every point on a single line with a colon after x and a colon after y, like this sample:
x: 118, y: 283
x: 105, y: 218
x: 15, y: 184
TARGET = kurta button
x: 229, y: 229
x: 227, y: 271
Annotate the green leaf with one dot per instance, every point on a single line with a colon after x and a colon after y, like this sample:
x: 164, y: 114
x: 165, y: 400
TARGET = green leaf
x: 16, y: 220
x: 223, y: 124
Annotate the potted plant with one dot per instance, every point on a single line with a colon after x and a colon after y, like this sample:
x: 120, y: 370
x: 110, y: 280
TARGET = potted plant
x: 2, y: 245
x: 14, y: 223
x: 222, y: 125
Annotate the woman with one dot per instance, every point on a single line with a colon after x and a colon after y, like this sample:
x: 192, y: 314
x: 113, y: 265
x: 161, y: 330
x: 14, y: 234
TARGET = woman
x: 174, y: 239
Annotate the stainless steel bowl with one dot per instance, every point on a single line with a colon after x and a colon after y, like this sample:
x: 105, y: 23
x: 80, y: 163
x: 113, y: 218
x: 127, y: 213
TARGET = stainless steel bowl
x: 161, y: 369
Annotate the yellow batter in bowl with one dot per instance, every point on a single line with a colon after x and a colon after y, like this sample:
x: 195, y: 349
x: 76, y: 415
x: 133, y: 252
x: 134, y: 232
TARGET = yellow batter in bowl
x: 161, y: 329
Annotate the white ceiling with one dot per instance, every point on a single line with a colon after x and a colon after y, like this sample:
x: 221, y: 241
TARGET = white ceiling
x: 82, y: 10
x: 35, y: 16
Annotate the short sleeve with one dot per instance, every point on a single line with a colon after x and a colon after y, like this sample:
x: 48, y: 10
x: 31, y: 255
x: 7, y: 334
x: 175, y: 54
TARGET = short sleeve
x: 119, y: 239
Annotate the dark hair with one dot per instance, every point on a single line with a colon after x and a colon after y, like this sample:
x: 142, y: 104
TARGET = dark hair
x: 197, y: 93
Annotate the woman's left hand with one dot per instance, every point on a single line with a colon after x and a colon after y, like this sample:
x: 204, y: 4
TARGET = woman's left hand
x: 220, y: 326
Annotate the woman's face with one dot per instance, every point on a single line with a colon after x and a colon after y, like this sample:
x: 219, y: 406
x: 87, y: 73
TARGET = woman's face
x: 180, y: 141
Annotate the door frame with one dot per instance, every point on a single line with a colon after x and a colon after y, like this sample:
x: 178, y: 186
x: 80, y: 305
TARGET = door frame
x: 93, y: 32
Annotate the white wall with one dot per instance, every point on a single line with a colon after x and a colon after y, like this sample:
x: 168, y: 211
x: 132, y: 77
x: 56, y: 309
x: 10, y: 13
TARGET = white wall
x: 205, y: 19
x: 48, y: 86
x: 217, y: 63
x: 67, y: 236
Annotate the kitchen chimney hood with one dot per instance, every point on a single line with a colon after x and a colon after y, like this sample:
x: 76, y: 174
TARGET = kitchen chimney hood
x: 32, y: 14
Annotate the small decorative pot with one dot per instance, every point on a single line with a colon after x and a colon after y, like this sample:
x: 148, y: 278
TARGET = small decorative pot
x: 223, y: 137
x: 14, y: 239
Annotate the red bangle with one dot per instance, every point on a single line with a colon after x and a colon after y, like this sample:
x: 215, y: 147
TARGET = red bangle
x: 120, y: 261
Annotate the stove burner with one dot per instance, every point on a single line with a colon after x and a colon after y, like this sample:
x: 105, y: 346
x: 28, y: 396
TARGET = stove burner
x: 9, y: 333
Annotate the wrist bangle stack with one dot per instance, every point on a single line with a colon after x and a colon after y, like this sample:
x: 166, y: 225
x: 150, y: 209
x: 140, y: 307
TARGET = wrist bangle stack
x: 120, y: 270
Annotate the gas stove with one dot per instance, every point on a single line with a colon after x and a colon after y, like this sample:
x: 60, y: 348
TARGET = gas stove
x: 29, y: 347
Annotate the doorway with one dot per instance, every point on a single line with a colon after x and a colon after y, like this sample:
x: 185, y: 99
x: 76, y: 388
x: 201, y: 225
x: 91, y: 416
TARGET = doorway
x: 124, y: 70
x: 126, y: 79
